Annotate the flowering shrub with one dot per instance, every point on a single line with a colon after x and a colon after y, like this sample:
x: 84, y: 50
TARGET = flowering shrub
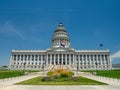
x: 60, y: 72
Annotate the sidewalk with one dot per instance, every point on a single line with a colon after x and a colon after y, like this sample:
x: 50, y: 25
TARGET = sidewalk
x: 110, y: 81
x: 8, y: 84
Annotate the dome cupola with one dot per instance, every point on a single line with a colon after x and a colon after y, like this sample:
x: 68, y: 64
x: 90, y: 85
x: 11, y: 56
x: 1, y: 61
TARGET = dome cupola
x: 60, y: 37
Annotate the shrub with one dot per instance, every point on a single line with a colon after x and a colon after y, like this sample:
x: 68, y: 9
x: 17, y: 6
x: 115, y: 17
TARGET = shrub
x: 75, y: 78
x: 50, y: 73
x: 56, y: 76
x: 64, y: 74
x: 71, y: 74
x: 46, y: 79
x: 60, y: 73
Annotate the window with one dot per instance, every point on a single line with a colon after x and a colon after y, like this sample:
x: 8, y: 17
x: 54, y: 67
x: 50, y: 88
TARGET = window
x: 32, y: 57
x: 43, y: 57
x: 28, y: 57
x: 98, y: 57
x: 95, y: 57
x: 80, y: 57
x: 68, y: 57
x: 36, y: 57
x: 21, y: 57
x: 25, y: 57
x: 106, y: 57
x: 77, y: 57
x: 52, y: 57
x: 88, y: 57
x: 84, y: 57
x: 15, y: 57
x: 91, y: 57
x: 39, y: 57
x: 18, y: 57
x: 102, y: 57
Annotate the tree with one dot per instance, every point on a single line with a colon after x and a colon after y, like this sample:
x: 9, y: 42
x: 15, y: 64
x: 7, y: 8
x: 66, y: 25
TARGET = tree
x: 4, y: 66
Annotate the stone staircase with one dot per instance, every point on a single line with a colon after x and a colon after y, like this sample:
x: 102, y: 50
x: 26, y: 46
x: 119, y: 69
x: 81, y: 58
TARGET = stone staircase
x: 66, y: 67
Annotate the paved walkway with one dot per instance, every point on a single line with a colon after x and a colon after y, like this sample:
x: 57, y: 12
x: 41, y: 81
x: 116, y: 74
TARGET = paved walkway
x: 8, y: 84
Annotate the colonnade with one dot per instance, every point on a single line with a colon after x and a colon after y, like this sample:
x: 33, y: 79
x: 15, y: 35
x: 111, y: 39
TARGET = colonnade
x: 60, y: 59
x: 81, y: 61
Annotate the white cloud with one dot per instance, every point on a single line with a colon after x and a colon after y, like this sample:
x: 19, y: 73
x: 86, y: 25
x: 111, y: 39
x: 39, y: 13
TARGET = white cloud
x: 115, y: 55
x: 9, y: 29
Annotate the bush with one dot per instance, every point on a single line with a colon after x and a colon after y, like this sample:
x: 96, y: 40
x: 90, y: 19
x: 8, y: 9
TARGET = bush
x: 71, y: 74
x: 60, y: 73
x: 56, y: 76
x: 50, y: 73
x: 75, y: 78
x: 46, y: 79
x: 64, y: 74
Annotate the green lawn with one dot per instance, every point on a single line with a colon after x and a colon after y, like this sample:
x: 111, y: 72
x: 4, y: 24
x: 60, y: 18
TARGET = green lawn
x: 106, y: 73
x: 61, y: 81
x: 12, y: 73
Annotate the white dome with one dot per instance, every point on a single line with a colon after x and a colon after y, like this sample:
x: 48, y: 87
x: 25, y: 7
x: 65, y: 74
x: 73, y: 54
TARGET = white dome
x: 60, y: 34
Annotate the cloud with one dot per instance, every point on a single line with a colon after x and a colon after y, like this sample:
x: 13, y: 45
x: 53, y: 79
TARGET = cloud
x: 9, y: 29
x: 115, y: 55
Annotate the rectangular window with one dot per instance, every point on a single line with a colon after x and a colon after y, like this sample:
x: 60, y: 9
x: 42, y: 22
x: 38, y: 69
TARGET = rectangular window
x: 15, y: 57
x: 84, y: 57
x: 32, y: 57
x: 98, y: 57
x: 95, y: 57
x: 88, y: 57
x: 18, y: 57
x: 106, y: 57
x: 76, y: 57
x: 43, y: 57
x: 29, y: 57
x: 21, y: 57
x: 39, y: 57
x: 25, y: 57
x: 102, y: 57
x: 36, y: 57
x: 91, y: 57
x: 80, y: 57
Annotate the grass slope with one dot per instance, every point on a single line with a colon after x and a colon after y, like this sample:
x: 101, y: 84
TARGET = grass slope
x: 106, y: 73
x: 13, y: 73
x: 9, y: 74
x: 61, y: 81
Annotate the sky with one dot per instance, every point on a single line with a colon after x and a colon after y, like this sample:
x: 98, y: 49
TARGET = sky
x: 30, y: 24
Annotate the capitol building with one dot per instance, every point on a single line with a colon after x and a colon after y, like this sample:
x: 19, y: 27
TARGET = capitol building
x: 60, y: 55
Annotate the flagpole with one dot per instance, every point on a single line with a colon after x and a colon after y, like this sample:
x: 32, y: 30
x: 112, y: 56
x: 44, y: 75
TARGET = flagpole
x: 60, y: 55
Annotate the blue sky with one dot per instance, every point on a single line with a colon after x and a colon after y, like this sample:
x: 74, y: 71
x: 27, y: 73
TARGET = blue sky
x: 30, y: 24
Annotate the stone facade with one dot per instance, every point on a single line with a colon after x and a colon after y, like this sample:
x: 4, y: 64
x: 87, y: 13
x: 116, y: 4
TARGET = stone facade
x: 60, y: 55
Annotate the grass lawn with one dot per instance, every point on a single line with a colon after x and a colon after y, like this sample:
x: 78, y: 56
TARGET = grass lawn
x: 12, y: 73
x: 106, y: 73
x: 61, y: 81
